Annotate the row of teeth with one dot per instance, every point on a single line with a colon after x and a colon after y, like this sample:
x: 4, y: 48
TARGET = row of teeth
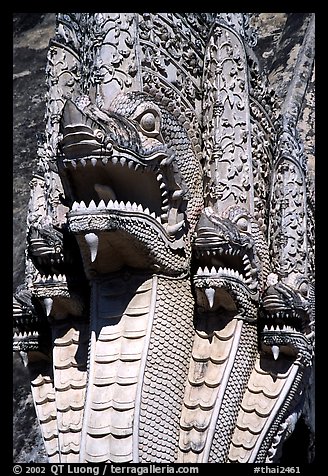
x: 279, y: 327
x: 219, y: 251
x: 116, y: 160
x: 171, y: 229
x: 44, y: 259
x: 26, y: 334
x: 113, y: 205
x: 230, y: 251
x: 283, y: 314
x: 225, y: 272
x: 50, y: 278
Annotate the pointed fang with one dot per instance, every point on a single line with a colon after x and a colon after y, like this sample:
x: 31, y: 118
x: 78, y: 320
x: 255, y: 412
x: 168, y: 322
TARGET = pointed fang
x: 275, y: 351
x: 210, y: 293
x: 48, y: 305
x: 92, y: 241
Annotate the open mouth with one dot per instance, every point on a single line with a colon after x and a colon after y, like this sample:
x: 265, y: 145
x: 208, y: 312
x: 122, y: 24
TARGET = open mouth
x: 221, y: 268
x: 120, y: 183
x: 282, y: 322
x: 26, y: 328
x: 221, y: 260
x: 282, y: 329
x: 219, y: 278
x: 277, y: 316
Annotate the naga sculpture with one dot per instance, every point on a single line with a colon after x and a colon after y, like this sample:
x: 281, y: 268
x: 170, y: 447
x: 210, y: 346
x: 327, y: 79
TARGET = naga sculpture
x: 168, y: 309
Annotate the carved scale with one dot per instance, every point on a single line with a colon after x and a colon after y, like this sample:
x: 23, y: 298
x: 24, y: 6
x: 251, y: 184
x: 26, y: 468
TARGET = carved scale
x: 145, y: 270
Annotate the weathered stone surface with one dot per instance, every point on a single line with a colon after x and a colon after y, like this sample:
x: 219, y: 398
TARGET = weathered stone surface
x: 139, y: 107
x: 32, y: 33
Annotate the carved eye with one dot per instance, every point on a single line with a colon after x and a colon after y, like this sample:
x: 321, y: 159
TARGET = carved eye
x: 99, y: 134
x: 304, y: 289
x: 149, y: 123
x: 242, y: 224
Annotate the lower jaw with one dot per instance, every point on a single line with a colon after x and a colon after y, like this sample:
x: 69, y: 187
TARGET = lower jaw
x: 110, y: 242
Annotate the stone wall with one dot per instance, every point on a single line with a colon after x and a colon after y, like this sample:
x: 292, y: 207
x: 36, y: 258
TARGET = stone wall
x: 32, y: 33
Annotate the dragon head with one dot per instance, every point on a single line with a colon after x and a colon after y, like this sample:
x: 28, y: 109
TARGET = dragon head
x: 285, y: 319
x: 58, y: 278
x: 30, y: 331
x: 133, y: 183
x: 228, y: 260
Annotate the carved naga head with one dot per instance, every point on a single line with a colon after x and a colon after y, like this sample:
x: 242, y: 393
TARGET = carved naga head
x: 231, y: 256
x: 285, y: 322
x: 133, y: 183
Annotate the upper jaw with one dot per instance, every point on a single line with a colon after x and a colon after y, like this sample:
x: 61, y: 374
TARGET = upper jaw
x: 122, y: 184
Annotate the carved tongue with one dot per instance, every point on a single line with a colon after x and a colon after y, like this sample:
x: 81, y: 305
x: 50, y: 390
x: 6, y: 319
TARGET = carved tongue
x: 92, y: 241
x: 275, y: 351
x: 105, y: 192
x: 210, y: 293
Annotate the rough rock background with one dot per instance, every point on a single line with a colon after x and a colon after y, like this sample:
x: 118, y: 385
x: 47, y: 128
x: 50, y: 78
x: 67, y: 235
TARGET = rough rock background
x: 31, y: 34
x: 279, y: 38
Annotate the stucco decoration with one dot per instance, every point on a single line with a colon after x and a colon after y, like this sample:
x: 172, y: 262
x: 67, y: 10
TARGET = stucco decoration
x: 168, y: 309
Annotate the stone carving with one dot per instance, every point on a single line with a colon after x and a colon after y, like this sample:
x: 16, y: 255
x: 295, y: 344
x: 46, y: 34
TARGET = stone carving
x: 167, y: 314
